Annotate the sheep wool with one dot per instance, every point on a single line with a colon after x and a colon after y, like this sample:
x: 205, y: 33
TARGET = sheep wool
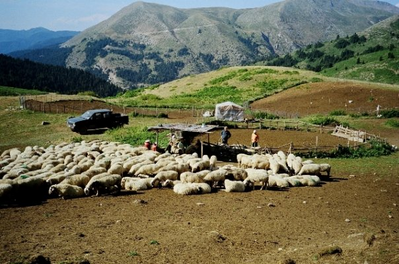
x: 66, y: 190
x: 191, y: 188
x: 234, y: 186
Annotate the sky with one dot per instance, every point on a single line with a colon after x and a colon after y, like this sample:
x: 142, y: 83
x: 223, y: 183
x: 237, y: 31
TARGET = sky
x: 78, y: 15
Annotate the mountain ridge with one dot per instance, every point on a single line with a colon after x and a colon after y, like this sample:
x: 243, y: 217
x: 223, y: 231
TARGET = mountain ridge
x: 34, y: 38
x: 146, y: 43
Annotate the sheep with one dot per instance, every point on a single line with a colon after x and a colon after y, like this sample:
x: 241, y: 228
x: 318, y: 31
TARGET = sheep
x: 136, y: 166
x: 192, y: 177
x: 116, y: 168
x: 216, y: 176
x: 293, y: 182
x: 191, y: 188
x: 5, y: 192
x: 297, y: 165
x: 257, y: 176
x: 66, y: 191
x: 324, y: 167
x: 163, y: 176
x: 200, y: 165
x: 136, y: 184
x: 212, y: 162
x: 234, y: 173
x: 149, y: 169
x: 103, y: 183
x: 79, y: 180
x: 282, y: 155
x: 55, y: 179
x: 290, y: 160
x: 308, y: 180
x: 94, y: 170
x: 30, y: 190
x: 170, y: 184
x: 274, y: 166
x: 312, y: 169
x: 234, y: 186
x: 277, y: 181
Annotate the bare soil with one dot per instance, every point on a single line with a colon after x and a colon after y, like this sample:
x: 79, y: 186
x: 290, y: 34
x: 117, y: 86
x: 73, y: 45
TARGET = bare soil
x: 350, y: 218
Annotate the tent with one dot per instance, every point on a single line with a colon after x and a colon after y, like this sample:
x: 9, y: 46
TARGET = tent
x: 229, y: 111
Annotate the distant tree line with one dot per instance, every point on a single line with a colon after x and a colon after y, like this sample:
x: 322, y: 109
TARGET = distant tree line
x: 49, y: 78
x: 317, y: 60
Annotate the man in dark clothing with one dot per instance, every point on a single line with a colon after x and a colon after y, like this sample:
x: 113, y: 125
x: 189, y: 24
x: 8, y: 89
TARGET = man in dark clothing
x: 225, y: 135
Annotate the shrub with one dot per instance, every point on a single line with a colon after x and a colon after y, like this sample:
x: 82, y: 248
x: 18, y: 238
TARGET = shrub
x: 373, y: 149
x: 265, y: 115
x: 339, y: 112
x: 389, y: 113
x: 323, y: 120
x: 392, y: 123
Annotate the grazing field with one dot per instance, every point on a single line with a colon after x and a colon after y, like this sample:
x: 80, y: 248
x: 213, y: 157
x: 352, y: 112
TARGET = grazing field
x: 352, y: 217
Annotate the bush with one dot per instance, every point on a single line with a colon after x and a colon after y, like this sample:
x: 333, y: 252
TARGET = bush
x: 323, y: 121
x: 389, y: 113
x: 392, y: 123
x: 265, y: 115
x: 374, y: 149
x: 338, y: 113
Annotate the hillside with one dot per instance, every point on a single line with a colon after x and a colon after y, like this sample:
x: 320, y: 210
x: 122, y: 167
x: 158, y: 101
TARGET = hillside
x: 371, y: 55
x: 35, y: 38
x: 31, y: 75
x: 148, y: 43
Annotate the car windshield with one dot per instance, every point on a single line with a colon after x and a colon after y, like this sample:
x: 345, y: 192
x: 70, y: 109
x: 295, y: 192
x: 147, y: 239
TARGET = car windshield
x: 86, y: 115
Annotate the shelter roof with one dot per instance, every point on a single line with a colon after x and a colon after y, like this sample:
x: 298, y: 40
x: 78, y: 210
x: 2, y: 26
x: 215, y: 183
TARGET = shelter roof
x: 184, y: 127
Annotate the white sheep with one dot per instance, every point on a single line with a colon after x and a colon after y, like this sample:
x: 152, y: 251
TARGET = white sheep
x: 308, y: 180
x: 200, y: 165
x: 325, y: 167
x: 116, y: 168
x: 234, y: 173
x: 257, y: 176
x: 105, y: 183
x: 193, y: 177
x: 136, y: 184
x: 65, y: 190
x: 277, y: 181
x: 311, y: 169
x: 94, y: 170
x: 170, y: 184
x: 234, y: 186
x: 162, y: 176
x: 149, y: 169
x: 79, y: 180
x: 191, y: 188
x: 216, y: 176
x: 212, y: 162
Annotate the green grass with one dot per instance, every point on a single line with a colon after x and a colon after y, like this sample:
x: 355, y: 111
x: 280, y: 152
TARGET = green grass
x: 236, y: 84
x: 12, y: 91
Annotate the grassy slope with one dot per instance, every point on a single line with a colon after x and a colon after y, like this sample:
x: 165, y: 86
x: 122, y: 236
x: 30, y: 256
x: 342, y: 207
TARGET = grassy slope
x: 240, y: 85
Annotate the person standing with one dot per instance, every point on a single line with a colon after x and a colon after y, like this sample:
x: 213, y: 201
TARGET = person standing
x: 254, y: 139
x: 225, y: 135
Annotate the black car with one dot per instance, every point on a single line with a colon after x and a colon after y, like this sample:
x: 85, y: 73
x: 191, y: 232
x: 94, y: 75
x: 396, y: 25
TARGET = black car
x: 97, y: 119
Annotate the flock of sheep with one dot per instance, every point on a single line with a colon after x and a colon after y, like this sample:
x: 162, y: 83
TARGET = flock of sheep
x: 72, y: 170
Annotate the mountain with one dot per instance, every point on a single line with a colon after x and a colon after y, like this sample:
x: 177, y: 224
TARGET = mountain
x: 371, y: 55
x: 147, y: 43
x: 35, y: 38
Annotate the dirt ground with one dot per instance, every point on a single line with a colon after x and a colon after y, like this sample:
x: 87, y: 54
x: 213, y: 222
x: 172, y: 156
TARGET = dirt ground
x: 350, y: 218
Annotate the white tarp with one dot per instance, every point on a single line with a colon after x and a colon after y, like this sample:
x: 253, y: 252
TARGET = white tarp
x: 229, y: 111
